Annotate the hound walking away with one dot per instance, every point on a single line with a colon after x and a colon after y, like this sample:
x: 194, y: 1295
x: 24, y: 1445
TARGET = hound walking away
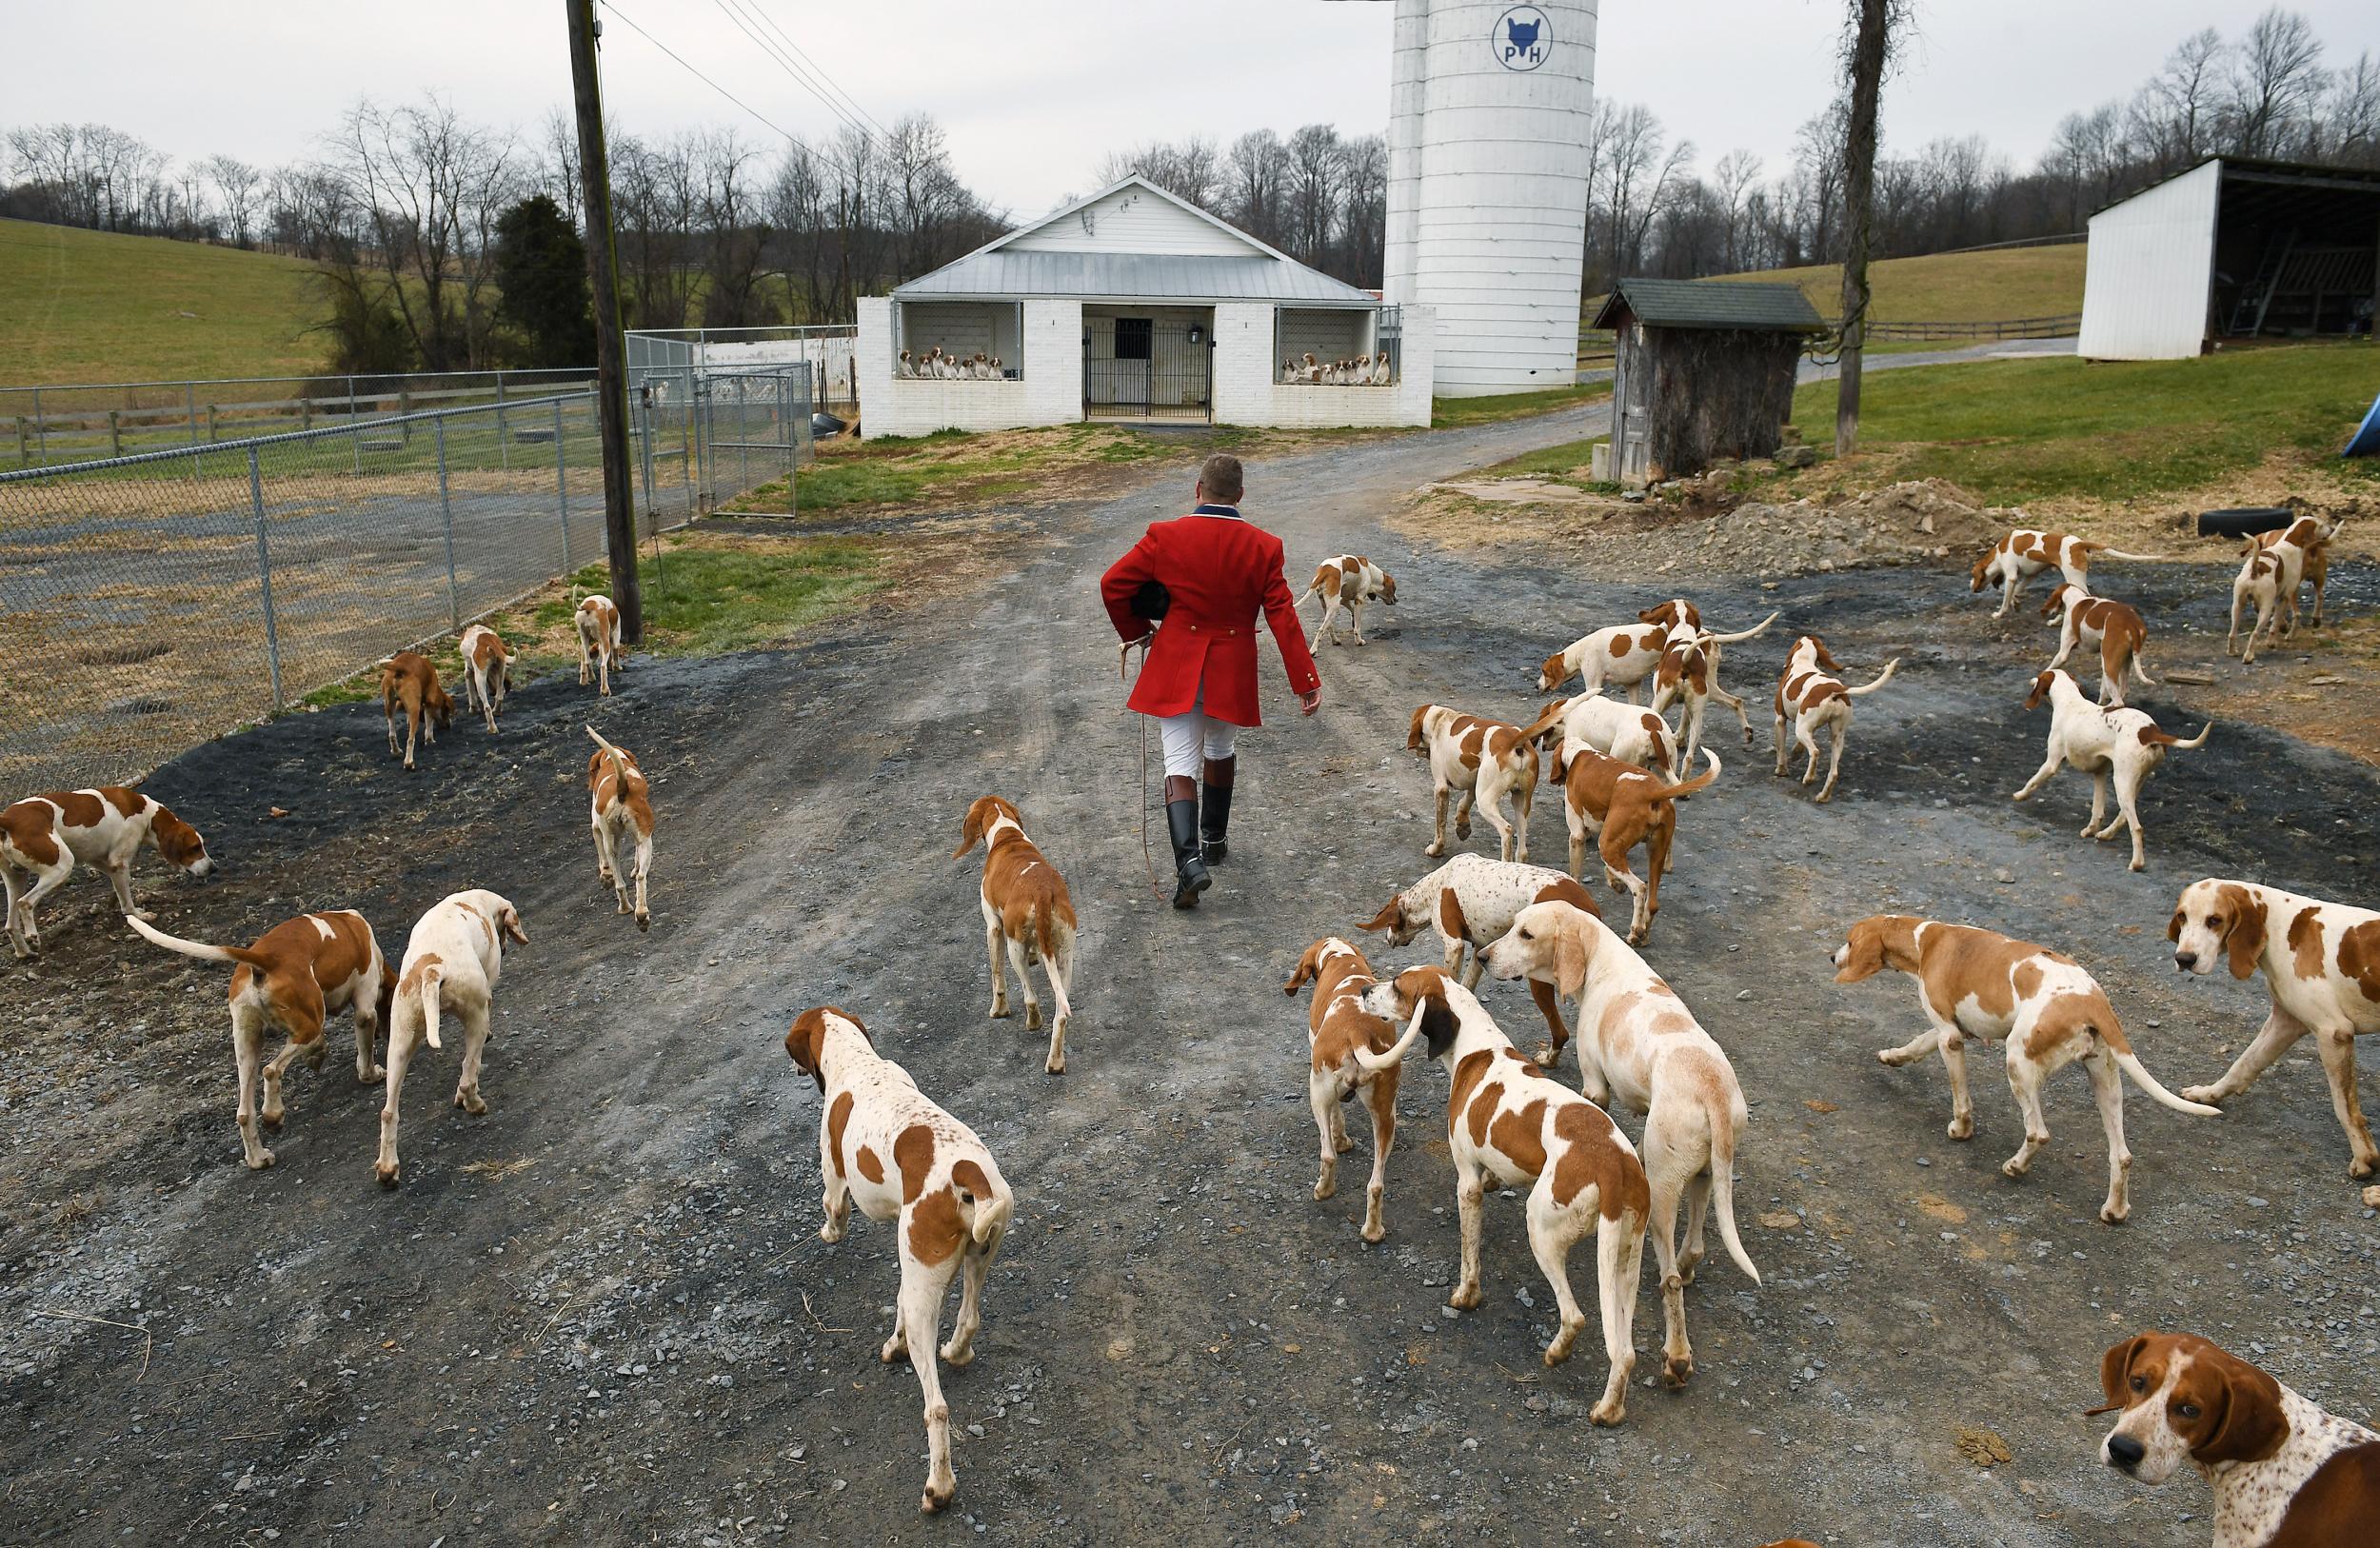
x: 2264, y: 583
x: 2124, y: 744
x: 1349, y: 581
x: 599, y: 642
x: 1637, y: 1039
x: 2116, y: 627
x: 623, y: 810
x: 1336, y: 1027
x: 409, y: 683
x: 451, y: 963
x: 881, y: 1142
x: 2050, y: 1012
x: 2310, y: 542
x: 1628, y: 732
x: 1511, y: 1125
x: 293, y: 977
x: 1689, y: 674
x: 1027, y: 910
x: 1471, y: 901
x: 1811, y: 702
x: 1621, y: 807
x: 486, y: 672
x: 46, y: 837
x: 1486, y: 761
x: 2285, y: 1472
x: 2025, y: 553
x: 2321, y: 964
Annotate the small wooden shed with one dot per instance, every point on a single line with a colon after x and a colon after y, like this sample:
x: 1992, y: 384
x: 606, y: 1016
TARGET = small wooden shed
x: 1703, y: 370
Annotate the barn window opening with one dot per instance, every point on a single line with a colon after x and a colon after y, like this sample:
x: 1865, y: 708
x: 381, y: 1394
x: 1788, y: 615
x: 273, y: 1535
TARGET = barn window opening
x: 1134, y: 338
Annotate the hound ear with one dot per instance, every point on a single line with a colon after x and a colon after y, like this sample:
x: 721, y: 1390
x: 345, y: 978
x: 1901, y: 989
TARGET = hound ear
x: 803, y: 1042
x: 2173, y: 927
x: 1306, y: 966
x: 971, y: 833
x: 2251, y: 1426
x: 1413, y: 736
x: 1826, y: 657
x: 2040, y: 685
x: 1570, y: 954
x: 1553, y: 671
x: 2056, y: 597
x: 1865, y: 957
x: 1439, y: 1025
x: 1981, y: 565
x: 512, y: 925
x: 2243, y: 938
x: 2115, y: 1368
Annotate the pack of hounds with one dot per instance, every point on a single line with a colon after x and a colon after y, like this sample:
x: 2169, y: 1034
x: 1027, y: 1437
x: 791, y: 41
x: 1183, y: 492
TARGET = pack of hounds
x: 2284, y: 1471
x: 1376, y: 369
x: 934, y: 366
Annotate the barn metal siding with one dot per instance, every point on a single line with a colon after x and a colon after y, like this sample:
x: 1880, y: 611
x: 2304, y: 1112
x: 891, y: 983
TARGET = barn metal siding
x: 2147, y: 269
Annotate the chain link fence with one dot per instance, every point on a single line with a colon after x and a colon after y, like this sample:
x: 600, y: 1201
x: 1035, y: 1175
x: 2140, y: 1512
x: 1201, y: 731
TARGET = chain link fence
x: 153, y: 601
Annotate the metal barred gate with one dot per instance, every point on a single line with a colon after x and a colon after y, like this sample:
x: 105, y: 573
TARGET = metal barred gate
x: 1138, y: 367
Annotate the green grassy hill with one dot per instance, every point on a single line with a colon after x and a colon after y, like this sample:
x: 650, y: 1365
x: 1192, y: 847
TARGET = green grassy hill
x: 1954, y: 287
x: 81, y: 305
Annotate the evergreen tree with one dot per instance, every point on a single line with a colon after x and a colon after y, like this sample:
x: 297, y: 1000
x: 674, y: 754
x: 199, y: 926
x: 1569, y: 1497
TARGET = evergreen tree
x: 540, y: 275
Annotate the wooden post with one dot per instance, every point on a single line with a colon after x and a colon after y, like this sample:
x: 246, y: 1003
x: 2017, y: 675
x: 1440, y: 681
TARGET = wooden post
x: 611, y: 382
x: 115, y: 435
x: 1869, y: 47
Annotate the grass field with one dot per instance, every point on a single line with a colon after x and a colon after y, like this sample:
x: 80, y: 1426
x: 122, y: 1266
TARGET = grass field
x: 2011, y: 431
x: 98, y: 306
x: 1952, y: 287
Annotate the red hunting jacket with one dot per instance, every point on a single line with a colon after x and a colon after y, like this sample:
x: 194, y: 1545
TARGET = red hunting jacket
x: 1219, y: 570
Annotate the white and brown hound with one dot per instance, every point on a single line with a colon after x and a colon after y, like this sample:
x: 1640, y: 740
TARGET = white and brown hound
x: 1472, y: 900
x: 1511, y: 1125
x: 2321, y: 963
x: 2116, y: 627
x: 600, y: 642
x: 1619, y: 806
x: 1348, y: 581
x: 451, y: 963
x: 1486, y: 761
x: 1617, y: 656
x: 2099, y: 742
x: 2285, y: 1472
x: 2265, y: 583
x: 881, y: 1143
x: 1688, y: 673
x: 2041, y: 1003
x: 1336, y: 1027
x: 46, y: 837
x: 409, y: 683
x: 1810, y: 702
x: 622, y: 810
x: 1628, y: 732
x: 486, y: 672
x: 293, y: 977
x: 1028, y: 911
x: 1639, y: 1041
x: 2310, y: 542
x: 2025, y: 553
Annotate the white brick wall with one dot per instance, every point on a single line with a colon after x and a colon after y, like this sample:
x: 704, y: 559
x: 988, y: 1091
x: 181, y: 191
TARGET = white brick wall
x: 1247, y: 391
x: 1050, y: 392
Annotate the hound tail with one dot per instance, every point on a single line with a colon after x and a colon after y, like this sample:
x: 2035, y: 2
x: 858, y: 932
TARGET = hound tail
x: 239, y: 956
x: 2130, y: 1064
x: 987, y: 1217
x: 432, y: 976
x: 1881, y: 678
x: 1373, y: 1064
x: 2157, y: 738
x: 619, y: 770
x: 1757, y: 629
x: 1710, y: 775
x: 1724, y: 1188
x: 2141, y: 672
x: 2102, y: 551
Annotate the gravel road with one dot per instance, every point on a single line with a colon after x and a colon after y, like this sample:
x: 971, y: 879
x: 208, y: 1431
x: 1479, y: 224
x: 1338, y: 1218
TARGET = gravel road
x: 601, y: 1313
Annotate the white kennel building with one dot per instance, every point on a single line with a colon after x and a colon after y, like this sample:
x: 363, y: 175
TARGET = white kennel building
x: 1134, y: 305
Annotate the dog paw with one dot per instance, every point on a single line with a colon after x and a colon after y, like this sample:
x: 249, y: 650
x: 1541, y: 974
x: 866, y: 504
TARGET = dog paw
x: 387, y: 1174
x: 1032, y: 1018
x: 1054, y: 1067
x: 830, y: 1232
x: 469, y: 1101
x: 2360, y: 1166
x: 1375, y: 1232
x: 1960, y: 1128
x: 1677, y: 1371
x: 2012, y: 1168
x: 1466, y: 1297
x: 1000, y: 1010
x: 955, y: 1353
x: 644, y: 922
x: 892, y: 1349
x: 1435, y: 850
x: 2137, y: 865
x: 2207, y: 1093
x: 934, y: 1499
x: 1342, y: 1144
x: 1325, y: 1185
x: 2114, y: 1213
x: 1608, y: 1412
x: 265, y: 1157
x: 272, y: 1118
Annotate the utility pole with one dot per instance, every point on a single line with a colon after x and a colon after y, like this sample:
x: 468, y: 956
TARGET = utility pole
x: 611, y: 377
x: 1867, y: 51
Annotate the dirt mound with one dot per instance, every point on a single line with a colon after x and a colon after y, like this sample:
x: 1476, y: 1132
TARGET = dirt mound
x: 1901, y: 524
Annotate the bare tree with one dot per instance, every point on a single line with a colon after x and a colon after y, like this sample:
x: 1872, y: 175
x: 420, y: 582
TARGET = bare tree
x: 1868, y: 46
x: 1734, y: 181
x: 1258, y: 166
x: 2174, y: 114
x: 2276, y: 81
x: 239, y: 187
x: 431, y: 187
x: 2351, y: 115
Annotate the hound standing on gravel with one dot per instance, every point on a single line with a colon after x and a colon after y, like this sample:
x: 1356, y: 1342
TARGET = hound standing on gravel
x: 1486, y: 761
x: 486, y: 672
x: 1337, y: 1026
x: 623, y: 809
x: 47, y: 836
x: 1026, y: 910
x: 2321, y: 963
x: 2099, y: 742
x: 1348, y: 581
x: 2303, y: 546
x: 599, y: 642
x: 2116, y: 627
x: 2025, y: 553
x: 293, y: 977
x: 1472, y: 900
x: 1811, y: 702
x: 1619, y: 806
x: 1631, y: 733
x: 2049, y: 1013
x: 1619, y: 656
x: 881, y: 1142
x: 409, y: 683
x: 451, y: 963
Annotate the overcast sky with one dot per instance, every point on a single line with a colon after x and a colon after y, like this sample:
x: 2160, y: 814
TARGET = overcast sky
x: 1034, y: 92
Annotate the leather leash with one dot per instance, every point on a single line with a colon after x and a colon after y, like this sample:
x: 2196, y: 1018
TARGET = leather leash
x: 1124, y: 659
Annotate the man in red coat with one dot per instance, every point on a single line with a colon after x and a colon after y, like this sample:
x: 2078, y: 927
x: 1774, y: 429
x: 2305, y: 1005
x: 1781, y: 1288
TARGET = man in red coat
x: 1205, y: 575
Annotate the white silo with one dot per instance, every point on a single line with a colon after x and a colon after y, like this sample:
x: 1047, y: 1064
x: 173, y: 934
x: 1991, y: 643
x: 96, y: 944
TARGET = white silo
x: 1487, y: 184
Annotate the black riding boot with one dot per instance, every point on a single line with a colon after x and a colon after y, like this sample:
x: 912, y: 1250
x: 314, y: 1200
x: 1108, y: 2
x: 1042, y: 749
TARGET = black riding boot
x: 1215, y: 809
x: 1181, y: 818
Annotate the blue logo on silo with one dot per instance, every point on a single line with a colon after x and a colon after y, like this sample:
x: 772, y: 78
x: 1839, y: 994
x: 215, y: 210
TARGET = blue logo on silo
x: 1522, y: 38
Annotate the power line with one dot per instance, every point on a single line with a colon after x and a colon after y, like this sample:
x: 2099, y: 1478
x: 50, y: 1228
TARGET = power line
x: 756, y: 6
x: 777, y: 57
x: 691, y: 70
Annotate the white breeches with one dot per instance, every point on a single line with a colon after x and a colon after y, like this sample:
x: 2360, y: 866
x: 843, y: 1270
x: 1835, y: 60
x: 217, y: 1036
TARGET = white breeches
x: 1193, y: 735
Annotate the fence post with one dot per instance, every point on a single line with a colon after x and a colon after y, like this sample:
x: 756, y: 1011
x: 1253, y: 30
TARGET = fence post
x: 644, y: 428
x: 306, y: 412
x: 41, y: 429
x: 503, y: 441
x: 446, y: 509
x: 264, y: 573
x: 562, y: 489
x: 115, y: 435
x: 24, y: 455
x: 190, y: 416
x: 404, y: 407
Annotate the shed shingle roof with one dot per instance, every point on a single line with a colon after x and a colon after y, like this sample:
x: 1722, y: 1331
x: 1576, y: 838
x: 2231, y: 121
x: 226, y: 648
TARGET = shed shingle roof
x: 1717, y: 303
